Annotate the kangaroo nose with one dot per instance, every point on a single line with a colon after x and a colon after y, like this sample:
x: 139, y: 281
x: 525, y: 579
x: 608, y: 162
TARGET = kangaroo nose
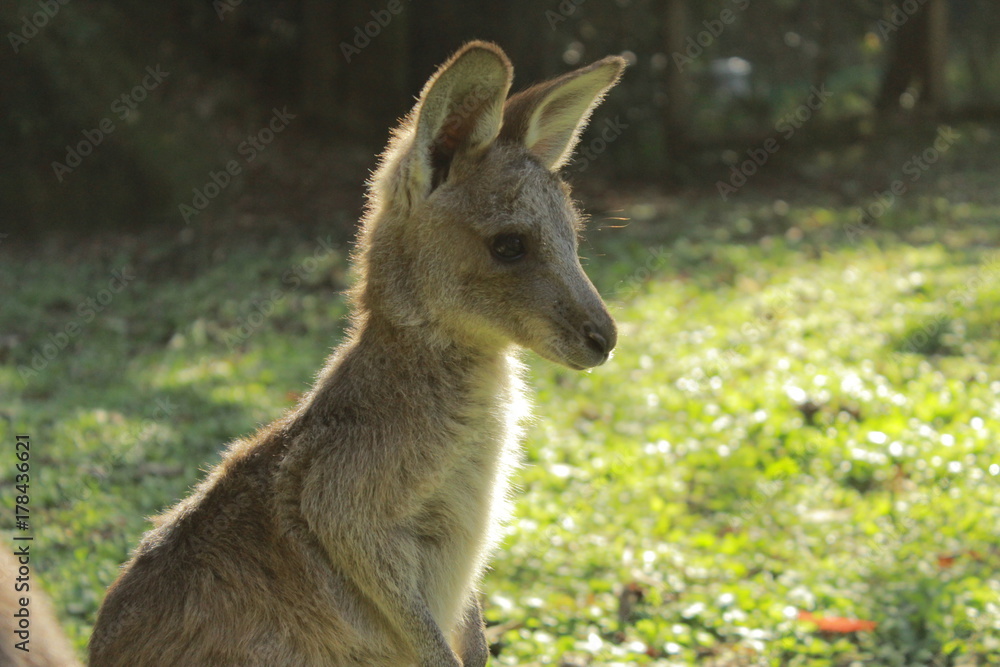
x: 597, y: 342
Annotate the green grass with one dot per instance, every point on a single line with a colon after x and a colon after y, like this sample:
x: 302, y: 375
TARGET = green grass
x: 791, y: 421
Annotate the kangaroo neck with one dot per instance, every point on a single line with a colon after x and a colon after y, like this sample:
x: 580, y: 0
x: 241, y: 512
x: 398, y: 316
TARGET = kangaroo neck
x: 422, y: 346
x: 414, y: 368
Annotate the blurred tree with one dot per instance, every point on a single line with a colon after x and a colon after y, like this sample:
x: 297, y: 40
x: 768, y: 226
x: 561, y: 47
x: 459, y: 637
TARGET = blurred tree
x: 676, y: 88
x: 321, y: 59
x: 918, y: 53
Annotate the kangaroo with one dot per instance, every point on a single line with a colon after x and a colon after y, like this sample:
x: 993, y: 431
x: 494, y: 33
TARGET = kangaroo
x: 354, y: 530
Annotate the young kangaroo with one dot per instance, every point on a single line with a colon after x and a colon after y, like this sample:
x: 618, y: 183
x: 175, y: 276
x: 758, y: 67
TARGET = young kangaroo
x: 353, y: 531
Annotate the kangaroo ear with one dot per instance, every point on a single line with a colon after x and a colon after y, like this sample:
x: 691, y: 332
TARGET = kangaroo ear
x: 460, y: 110
x: 549, y: 117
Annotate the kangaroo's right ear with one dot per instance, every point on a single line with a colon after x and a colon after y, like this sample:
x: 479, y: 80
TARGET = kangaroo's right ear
x: 460, y: 109
x: 549, y: 117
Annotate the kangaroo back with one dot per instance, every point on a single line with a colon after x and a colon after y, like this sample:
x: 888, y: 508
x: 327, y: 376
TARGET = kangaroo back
x: 354, y: 530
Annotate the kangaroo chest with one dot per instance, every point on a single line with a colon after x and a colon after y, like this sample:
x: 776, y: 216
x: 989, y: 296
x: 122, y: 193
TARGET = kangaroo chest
x: 460, y: 521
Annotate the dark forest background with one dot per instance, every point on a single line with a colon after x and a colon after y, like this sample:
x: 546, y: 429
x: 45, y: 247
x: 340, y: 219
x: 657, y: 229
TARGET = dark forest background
x: 710, y: 80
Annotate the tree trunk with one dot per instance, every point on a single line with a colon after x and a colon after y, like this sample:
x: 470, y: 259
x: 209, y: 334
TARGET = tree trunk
x: 320, y: 59
x: 937, y: 53
x: 918, y: 55
x: 675, y: 27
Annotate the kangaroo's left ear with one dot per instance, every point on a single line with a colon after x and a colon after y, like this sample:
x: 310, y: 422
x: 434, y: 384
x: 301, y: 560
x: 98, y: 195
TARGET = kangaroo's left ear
x: 460, y: 110
x: 549, y: 117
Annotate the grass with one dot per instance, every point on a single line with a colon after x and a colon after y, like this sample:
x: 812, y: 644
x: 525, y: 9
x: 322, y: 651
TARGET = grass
x: 793, y: 421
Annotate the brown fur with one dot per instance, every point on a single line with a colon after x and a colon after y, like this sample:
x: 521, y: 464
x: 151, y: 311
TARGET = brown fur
x: 354, y: 530
x: 47, y: 645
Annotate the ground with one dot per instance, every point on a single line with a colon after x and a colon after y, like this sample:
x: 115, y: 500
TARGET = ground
x: 802, y: 416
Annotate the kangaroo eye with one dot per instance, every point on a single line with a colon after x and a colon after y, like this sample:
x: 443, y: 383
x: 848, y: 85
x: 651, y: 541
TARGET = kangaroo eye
x: 508, y: 247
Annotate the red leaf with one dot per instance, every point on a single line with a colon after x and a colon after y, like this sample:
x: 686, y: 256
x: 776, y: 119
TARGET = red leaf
x: 837, y: 623
x: 947, y: 560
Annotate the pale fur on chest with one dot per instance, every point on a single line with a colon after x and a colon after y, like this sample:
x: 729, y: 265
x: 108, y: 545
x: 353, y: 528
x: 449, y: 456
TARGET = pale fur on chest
x: 439, y: 481
x: 463, y: 517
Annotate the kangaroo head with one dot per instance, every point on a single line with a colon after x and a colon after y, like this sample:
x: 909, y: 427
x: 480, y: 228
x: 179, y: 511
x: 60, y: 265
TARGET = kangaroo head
x: 470, y: 232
